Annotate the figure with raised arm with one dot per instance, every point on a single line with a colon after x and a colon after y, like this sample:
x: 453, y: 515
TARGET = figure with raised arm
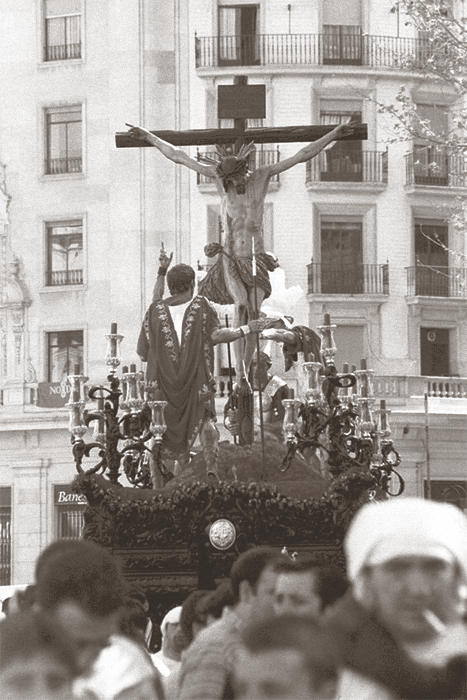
x: 242, y: 195
x: 177, y: 341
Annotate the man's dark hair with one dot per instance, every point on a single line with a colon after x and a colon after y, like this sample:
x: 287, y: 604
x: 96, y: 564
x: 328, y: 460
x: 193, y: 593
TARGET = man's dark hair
x: 179, y: 278
x: 214, y: 603
x: 190, y: 614
x: 331, y: 584
x: 303, y: 634
x: 84, y: 573
x: 26, y: 633
x: 250, y: 565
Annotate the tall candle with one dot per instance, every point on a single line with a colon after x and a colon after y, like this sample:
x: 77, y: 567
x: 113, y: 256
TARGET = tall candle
x: 327, y: 319
x: 363, y: 363
x: 132, y: 368
x: 384, y: 419
x: 113, y: 341
x: 77, y: 369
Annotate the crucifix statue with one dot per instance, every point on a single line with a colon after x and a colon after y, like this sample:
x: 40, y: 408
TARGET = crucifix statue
x: 242, y: 193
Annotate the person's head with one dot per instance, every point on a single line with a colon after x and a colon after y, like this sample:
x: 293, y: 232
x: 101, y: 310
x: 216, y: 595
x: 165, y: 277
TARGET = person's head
x: 296, y: 588
x: 253, y: 579
x: 37, y: 659
x: 81, y: 589
x: 180, y: 279
x: 173, y: 642
x: 407, y: 562
x: 260, y: 366
x: 213, y: 604
x: 192, y: 620
x: 286, y: 658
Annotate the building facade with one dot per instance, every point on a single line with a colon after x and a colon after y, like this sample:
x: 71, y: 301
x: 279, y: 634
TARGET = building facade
x: 361, y: 230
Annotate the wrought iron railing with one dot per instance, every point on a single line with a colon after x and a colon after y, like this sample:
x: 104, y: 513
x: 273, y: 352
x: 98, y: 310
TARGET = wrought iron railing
x: 56, y: 166
x: 62, y: 52
x: 348, y: 279
x: 258, y: 158
x: 57, y: 278
x: 436, y: 169
x: 312, y: 49
x: 5, y: 545
x: 358, y: 166
x: 436, y: 281
x: 70, y: 522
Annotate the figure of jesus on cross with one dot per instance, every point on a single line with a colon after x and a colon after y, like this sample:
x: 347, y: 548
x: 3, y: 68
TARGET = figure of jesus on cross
x: 242, y: 196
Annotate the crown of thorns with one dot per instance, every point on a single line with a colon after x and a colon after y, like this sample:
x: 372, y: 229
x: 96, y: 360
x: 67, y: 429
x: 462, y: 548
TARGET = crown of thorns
x: 229, y: 165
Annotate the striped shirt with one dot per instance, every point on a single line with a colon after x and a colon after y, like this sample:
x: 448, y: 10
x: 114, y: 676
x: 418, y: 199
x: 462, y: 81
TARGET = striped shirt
x: 208, y: 662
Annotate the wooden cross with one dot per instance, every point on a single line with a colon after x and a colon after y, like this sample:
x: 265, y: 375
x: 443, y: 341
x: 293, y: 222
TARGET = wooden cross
x: 240, y: 102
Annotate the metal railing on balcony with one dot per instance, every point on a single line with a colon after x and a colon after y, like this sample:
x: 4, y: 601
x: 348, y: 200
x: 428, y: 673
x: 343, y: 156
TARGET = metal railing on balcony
x: 348, y: 279
x: 312, y: 50
x: 56, y: 278
x: 436, y: 169
x: 62, y: 52
x: 257, y: 158
x: 359, y: 166
x: 56, y: 166
x: 436, y: 281
x: 5, y: 545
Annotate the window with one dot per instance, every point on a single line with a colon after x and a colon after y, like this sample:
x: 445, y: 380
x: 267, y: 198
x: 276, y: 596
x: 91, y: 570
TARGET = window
x: 64, y: 140
x: 64, y: 253
x: 341, y: 257
x: 342, y: 40
x: 5, y: 536
x: 432, y: 259
x: 434, y: 352
x: 343, y: 161
x: 431, y: 161
x: 238, y: 35
x: 69, y: 513
x: 62, y: 30
x: 448, y: 491
x: 65, y: 350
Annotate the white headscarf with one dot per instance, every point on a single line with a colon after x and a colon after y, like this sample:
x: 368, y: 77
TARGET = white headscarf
x: 403, y: 527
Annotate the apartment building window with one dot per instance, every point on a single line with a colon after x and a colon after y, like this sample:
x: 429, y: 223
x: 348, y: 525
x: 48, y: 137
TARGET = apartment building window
x: 448, y: 491
x: 69, y: 513
x: 431, y: 161
x: 341, y: 257
x: 238, y: 35
x: 62, y: 29
x: 350, y: 343
x: 5, y: 536
x: 64, y: 352
x: 342, y: 32
x: 343, y: 161
x: 434, y: 352
x: 64, y: 253
x: 64, y: 140
x: 432, y: 258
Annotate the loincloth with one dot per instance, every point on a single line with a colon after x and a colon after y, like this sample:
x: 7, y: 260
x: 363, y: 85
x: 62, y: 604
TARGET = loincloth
x: 214, y: 287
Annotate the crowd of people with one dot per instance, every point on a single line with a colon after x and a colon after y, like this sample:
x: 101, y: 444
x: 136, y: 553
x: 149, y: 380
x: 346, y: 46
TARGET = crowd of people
x: 394, y: 626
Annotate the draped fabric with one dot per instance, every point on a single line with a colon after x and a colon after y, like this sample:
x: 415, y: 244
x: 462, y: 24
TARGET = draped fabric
x: 214, y: 286
x: 184, y: 372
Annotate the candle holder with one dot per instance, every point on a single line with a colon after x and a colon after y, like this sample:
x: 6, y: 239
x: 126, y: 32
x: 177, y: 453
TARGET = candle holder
x: 334, y: 423
x: 128, y: 420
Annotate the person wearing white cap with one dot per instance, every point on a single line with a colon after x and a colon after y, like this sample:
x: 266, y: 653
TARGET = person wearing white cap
x: 168, y: 659
x: 407, y: 565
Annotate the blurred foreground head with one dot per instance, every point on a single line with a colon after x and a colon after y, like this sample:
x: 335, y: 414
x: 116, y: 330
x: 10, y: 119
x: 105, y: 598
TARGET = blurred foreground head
x: 407, y: 562
x: 37, y: 659
x: 81, y: 588
x: 286, y: 658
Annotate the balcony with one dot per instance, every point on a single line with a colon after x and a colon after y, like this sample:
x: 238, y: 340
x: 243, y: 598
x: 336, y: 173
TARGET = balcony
x: 369, y: 167
x: 348, y: 279
x: 57, y: 166
x: 258, y: 158
x: 57, y: 278
x: 62, y: 52
x: 435, y: 169
x: 436, y: 282
x: 312, y: 50
x: 405, y: 387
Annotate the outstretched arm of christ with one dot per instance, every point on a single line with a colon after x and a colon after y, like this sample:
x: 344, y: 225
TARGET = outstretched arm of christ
x: 171, y: 152
x: 310, y: 150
